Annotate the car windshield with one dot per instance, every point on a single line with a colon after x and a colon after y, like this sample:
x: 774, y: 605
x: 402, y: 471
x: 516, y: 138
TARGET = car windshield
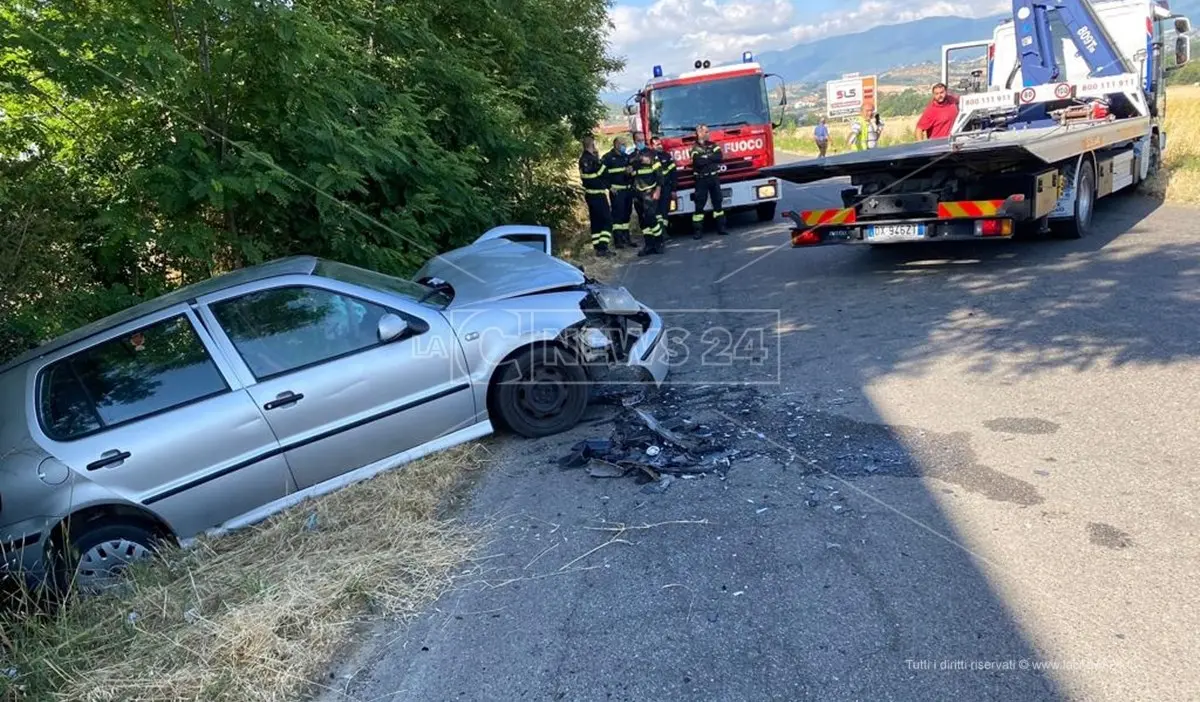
x: 423, y: 294
x: 727, y: 102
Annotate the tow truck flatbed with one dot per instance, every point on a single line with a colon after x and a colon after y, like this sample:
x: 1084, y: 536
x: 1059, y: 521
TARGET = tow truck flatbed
x: 982, y: 152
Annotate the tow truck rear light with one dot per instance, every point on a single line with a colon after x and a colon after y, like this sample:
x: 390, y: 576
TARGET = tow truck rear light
x: 994, y: 227
x: 806, y: 237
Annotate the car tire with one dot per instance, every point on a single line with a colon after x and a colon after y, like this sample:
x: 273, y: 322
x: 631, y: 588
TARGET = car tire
x: 96, y: 557
x: 540, y: 392
x: 1079, y: 224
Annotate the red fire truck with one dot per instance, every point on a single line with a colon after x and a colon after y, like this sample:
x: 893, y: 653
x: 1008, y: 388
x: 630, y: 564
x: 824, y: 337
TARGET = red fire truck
x: 733, y: 101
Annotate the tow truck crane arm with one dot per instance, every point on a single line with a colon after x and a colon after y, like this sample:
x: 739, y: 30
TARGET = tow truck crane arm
x: 1035, y: 41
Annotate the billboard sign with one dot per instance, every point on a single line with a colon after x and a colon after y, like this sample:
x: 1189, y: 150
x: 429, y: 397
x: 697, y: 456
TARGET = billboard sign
x: 850, y: 96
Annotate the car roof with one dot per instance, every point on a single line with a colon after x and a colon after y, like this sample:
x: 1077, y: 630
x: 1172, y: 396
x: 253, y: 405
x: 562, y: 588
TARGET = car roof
x: 294, y: 265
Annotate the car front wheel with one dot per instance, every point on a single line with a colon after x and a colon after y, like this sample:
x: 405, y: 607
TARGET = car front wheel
x: 541, y: 391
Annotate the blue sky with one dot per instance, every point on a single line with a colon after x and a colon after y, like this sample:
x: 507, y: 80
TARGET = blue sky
x: 673, y: 33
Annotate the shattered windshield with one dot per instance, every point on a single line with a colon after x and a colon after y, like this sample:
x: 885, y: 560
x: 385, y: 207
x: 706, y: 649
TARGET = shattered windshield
x: 728, y: 102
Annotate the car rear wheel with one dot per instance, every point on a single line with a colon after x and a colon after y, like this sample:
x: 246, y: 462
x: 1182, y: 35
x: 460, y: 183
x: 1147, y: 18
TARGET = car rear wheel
x: 97, y: 557
x: 540, y: 392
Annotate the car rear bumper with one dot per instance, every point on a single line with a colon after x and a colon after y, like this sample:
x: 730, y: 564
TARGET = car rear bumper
x: 650, y: 352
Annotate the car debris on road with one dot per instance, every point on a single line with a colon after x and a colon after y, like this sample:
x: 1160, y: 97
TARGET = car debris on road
x: 654, y: 450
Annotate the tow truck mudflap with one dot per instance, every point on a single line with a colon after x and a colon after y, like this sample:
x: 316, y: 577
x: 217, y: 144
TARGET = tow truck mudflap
x: 940, y: 221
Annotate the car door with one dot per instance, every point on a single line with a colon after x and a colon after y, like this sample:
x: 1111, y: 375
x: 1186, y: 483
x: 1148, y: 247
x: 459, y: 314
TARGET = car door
x: 152, y: 412
x: 531, y: 235
x: 337, y: 396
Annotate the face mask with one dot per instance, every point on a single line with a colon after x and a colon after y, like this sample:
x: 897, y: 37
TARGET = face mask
x: 627, y: 149
x: 641, y: 145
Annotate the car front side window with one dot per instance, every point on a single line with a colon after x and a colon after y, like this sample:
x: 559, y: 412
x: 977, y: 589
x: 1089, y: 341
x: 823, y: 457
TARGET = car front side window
x: 286, y: 329
x: 151, y: 370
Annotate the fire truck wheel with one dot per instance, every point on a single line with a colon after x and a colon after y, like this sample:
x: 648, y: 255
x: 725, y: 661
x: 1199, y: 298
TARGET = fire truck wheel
x: 766, y: 212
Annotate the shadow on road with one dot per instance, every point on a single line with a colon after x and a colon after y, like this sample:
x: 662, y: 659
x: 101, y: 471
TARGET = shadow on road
x: 849, y: 316
x: 817, y: 568
x: 1116, y: 298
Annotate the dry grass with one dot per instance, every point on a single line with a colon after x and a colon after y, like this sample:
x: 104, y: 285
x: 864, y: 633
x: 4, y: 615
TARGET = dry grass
x: 257, y: 615
x: 1179, y: 179
x: 896, y: 130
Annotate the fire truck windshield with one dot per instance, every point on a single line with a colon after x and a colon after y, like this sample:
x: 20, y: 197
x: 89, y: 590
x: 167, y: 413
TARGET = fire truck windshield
x: 724, y: 102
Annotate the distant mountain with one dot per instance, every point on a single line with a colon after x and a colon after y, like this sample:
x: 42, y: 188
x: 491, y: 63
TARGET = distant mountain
x: 875, y: 50
x: 884, y: 48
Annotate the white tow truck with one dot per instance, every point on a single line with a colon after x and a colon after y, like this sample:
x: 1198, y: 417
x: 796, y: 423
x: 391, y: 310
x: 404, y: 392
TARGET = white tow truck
x: 1071, y: 111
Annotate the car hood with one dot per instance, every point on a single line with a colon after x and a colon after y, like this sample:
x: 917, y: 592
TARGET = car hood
x: 499, y: 269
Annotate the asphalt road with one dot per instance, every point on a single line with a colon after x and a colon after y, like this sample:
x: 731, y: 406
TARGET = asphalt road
x: 976, y: 479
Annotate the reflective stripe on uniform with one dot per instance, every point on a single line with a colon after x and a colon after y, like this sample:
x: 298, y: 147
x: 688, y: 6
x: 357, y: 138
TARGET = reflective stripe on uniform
x: 604, y: 237
x: 718, y: 213
x: 594, y: 191
x: 698, y: 217
x: 620, y: 227
x: 619, y: 187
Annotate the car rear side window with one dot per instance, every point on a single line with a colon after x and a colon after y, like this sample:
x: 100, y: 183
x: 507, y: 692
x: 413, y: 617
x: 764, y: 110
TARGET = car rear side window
x: 151, y: 370
x: 285, y: 329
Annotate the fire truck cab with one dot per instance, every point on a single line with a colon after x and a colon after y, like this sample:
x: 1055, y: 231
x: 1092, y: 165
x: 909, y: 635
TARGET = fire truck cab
x: 734, y: 102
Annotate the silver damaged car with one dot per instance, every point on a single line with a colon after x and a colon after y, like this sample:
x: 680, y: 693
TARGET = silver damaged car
x: 219, y: 404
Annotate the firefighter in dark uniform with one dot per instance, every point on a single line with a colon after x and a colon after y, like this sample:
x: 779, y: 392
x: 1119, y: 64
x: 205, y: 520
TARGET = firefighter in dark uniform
x: 595, y: 194
x: 669, y: 176
x: 706, y: 165
x: 619, y: 173
x: 647, y: 187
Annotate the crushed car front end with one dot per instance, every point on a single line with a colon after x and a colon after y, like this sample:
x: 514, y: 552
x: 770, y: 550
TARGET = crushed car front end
x: 617, y: 330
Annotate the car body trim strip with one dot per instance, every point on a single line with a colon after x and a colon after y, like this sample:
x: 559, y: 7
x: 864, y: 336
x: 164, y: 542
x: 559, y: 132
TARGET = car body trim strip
x: 184, y: 487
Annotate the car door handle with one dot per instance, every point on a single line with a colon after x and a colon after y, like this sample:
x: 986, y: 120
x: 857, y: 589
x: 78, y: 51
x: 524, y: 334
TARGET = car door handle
x: 108, y: 458
x: 284, y: 399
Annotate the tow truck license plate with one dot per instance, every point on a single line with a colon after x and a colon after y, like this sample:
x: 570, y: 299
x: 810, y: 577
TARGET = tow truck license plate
x: 896, y: 232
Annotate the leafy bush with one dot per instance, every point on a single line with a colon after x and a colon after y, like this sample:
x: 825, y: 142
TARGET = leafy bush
x: 148, y: 144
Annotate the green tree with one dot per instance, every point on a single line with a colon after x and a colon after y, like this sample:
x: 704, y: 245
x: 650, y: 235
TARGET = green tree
x: 907, y: 102
x: 150, y: 143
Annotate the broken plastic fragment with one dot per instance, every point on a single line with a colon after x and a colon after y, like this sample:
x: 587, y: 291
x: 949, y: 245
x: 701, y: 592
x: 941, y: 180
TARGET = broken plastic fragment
x: 603, y: 469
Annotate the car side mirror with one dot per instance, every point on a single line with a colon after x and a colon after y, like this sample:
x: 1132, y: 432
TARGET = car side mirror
x: 1183, y: 50
x: 392, y: 327
x: 1183, y: 25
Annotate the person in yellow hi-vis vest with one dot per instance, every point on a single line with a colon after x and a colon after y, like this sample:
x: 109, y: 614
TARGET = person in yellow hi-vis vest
x: 858, y: 134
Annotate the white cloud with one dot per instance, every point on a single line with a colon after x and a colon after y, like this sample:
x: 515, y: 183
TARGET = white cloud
x: 674, y: 33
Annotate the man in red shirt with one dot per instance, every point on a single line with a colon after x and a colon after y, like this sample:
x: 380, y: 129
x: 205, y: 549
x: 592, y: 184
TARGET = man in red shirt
x: 939, y: 115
